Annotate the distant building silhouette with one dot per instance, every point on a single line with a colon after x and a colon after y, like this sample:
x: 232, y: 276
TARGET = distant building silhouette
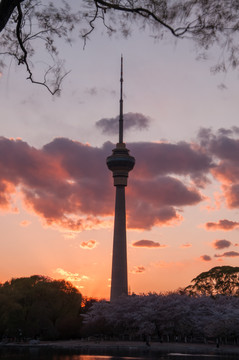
x: 120, y: 163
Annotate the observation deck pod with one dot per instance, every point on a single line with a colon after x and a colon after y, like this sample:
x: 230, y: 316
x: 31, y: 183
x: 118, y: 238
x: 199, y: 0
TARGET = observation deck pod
x: 120, y: 163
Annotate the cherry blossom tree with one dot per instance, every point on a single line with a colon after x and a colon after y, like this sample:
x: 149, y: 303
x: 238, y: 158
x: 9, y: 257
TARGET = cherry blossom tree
x: 166, y: 317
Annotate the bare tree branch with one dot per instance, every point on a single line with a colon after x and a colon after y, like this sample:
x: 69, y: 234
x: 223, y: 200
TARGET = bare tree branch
x: 23, y: 59
x: 140, y: 11
x: 6, y: 9
x: 207, y: 23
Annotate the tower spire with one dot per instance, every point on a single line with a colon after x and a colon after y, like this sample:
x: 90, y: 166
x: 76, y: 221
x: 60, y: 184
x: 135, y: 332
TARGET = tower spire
x: 121, y: 120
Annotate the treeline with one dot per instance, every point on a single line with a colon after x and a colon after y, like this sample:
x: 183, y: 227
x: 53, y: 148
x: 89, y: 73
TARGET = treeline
x: 38, y: 307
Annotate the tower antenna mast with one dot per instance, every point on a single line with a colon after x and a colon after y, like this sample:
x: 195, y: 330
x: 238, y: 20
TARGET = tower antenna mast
x: 121, y: 120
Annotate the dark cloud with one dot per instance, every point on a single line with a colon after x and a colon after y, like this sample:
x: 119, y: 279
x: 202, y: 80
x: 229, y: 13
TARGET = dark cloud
x: 92, y: 91
x: 225, y: 225
x: 152, y: 202
x: 225, y: 148
x: 147, y: 244
x: 138, y: 270
x: 228, y: 254
x: 221, y: 244
x: 131, y: 121
x: 235, y: 129
x: 143, y: 215
x: 204, y: 136
x: 223, y: 131
x: 154, y: 159
x: 205, y: 258
x: 165, y: 191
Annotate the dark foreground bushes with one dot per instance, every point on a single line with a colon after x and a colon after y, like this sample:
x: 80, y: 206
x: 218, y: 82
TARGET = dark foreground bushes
x: 39, y: 307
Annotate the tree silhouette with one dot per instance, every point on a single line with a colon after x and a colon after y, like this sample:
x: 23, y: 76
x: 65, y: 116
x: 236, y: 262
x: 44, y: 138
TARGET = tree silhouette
x: 39, y: 307
x: 24, y: 24
x: 220, y: 280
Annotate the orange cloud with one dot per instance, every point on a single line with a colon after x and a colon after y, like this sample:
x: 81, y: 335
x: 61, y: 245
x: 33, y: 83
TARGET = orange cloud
x: 90, y: 244
x: 25, y: 223
x: 148, y: 244
x: 225, y: 225
x: 187, y: 245
x: 7, y: 189
x: 74, y: 278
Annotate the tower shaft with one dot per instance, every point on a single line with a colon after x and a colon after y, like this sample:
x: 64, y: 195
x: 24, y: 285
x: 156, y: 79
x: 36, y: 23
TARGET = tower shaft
x: 119, y: 278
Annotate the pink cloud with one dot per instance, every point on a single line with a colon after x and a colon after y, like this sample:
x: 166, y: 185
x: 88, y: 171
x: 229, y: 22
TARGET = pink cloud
x: 67, y: 183
x: 221, y: 244
x: 225, y: 147
x: 90, y: 244
x: 228, y: 254
x: 59, y: 182
x: 225, y: 225
x: 205, y: 258
x: 231, y: 194
x: 148, y: 244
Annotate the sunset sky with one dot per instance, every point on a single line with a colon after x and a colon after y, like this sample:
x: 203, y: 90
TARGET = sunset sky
x: 57, y: 195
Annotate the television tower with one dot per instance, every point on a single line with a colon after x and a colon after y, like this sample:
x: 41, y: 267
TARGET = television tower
x: 120, y: 163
